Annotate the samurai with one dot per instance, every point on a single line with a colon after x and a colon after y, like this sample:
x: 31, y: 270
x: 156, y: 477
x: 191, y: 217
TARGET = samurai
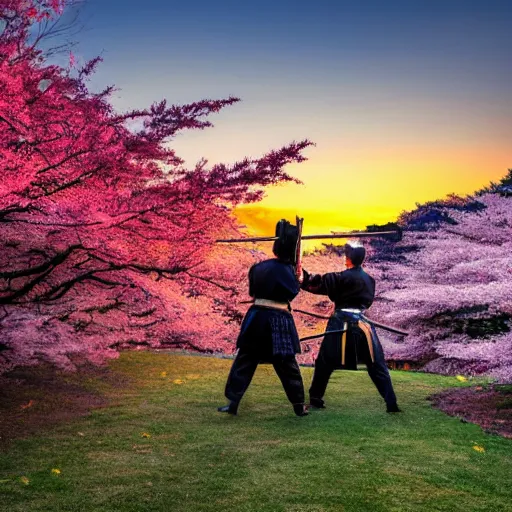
x: 355, y: 341
x: 268, y: 333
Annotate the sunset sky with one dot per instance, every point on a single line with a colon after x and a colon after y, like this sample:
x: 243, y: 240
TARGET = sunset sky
x: 406, y: 101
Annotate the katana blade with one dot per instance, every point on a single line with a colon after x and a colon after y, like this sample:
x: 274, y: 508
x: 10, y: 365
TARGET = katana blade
x: 320, y: 335
x: 313, y: 237
x: 386, y: 327
x: 372, y: 322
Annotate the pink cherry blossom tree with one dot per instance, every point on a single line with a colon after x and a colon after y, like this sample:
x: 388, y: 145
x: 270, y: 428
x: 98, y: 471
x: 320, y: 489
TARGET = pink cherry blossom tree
x: 103, y: 231
x: 449, y: 283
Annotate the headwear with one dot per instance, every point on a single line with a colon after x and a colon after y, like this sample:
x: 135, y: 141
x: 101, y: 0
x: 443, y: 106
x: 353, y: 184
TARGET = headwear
x: 285, y: 246
x: 356, y: 252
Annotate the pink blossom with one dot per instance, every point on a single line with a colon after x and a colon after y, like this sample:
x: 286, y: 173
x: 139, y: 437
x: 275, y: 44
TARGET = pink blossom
x: 100, y: 248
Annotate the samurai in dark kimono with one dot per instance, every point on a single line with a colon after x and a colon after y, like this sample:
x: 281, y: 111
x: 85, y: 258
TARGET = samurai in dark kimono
x: 268, y: 333
x: 352, y: 291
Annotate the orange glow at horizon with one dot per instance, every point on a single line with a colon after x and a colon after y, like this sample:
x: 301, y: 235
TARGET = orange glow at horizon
x: 371, y: 189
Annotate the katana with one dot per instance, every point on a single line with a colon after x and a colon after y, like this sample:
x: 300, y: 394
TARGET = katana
x: 366, y: 319
x: 325, y: 317
x: 284, y: 230
x: 314, y: 336
x: 313, y: 237
x: 375, y: 324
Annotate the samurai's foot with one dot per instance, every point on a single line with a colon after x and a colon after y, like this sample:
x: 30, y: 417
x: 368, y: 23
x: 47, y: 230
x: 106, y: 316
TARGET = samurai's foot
x: 317, y: 403
x: 300, y: 409
x: 393, y: 408
x: 231, y: 408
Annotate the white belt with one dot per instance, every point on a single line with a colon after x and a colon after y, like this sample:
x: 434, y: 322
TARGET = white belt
x: 272, y: 304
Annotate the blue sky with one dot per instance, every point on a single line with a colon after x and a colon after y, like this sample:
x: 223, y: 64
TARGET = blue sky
x: 414, y: 96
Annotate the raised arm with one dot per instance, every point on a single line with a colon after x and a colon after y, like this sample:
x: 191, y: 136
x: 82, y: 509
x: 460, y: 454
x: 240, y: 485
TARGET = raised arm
x: 319, y: 284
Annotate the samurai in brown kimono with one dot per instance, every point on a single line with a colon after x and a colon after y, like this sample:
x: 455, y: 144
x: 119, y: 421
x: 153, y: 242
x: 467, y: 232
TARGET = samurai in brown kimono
x: 352, y: 291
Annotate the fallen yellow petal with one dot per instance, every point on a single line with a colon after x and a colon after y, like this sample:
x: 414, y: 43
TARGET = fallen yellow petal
x: 26, y: 406
x: 145, y: 434
x: 178, y: 381
x: 461, y: 378
x: 478, y: 448
x: 56, y: 471
x: 163, y: 374
x: 24, y: 480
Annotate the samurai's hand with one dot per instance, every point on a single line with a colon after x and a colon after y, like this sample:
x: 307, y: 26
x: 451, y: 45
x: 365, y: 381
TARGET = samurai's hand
x: 304, y: 279
x: 300, y: 275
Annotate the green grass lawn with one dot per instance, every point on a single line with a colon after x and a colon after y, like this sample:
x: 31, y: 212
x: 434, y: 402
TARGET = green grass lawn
x: 161, y: 446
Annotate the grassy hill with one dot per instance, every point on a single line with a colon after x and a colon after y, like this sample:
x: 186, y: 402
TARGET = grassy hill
x: 158, y: 444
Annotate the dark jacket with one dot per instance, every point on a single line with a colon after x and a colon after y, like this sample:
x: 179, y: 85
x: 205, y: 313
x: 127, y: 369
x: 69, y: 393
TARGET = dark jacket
x: 351, y: 289
x: 265, y: 331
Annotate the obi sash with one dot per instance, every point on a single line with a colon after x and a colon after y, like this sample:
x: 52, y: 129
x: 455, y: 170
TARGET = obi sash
x: 356, y: 317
